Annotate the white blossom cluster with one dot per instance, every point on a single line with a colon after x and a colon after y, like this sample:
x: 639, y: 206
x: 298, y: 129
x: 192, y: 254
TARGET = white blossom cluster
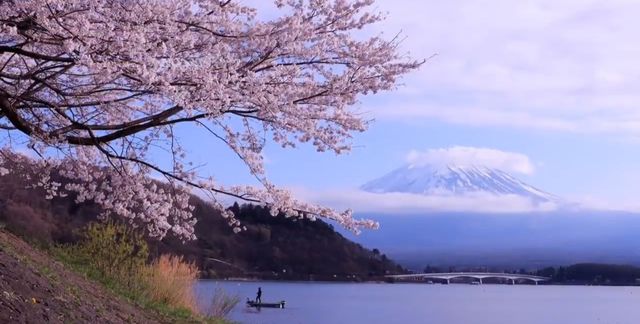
x: 96, y: 86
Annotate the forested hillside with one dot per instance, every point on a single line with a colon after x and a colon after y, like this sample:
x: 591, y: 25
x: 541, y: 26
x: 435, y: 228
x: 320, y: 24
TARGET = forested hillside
x: 271, y: 247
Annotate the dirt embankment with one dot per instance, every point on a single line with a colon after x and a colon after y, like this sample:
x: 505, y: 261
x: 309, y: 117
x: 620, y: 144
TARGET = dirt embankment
x: 34, y: 288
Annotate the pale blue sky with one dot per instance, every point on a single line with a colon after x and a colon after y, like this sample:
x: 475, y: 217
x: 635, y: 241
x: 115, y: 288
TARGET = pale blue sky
x: 557, y: 81
x: 569, y: 165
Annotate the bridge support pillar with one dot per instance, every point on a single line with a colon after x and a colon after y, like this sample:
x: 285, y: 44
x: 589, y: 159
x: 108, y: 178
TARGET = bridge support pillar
x: 448, y: 281
x: 513, y: 281
x: 480, y: 280
x: 536, y: 281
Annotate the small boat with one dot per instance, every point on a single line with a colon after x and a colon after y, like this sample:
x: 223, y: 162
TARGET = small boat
x: 251, y: 303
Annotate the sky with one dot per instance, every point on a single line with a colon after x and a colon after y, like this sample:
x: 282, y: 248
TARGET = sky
x: 546, y: 89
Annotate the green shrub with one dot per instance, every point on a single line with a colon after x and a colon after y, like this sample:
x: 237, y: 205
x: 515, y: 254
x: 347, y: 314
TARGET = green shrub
x: 116, y: 250
x: 111, y: 253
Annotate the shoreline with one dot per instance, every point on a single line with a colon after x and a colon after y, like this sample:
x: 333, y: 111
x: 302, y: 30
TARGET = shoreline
x: 241, y: 280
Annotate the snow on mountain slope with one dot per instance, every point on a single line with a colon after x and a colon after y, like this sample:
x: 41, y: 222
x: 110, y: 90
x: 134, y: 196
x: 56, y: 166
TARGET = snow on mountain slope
x: 454, y: 180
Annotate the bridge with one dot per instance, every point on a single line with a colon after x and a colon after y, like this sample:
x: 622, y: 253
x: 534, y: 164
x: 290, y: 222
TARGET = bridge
x: 447, y: 276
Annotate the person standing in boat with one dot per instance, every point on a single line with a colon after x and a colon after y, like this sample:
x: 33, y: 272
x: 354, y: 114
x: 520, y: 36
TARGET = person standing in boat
x: 259, y: 295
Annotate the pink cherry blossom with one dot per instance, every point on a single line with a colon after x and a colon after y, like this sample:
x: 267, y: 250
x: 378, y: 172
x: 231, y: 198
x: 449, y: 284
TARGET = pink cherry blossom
x: 93, y: 87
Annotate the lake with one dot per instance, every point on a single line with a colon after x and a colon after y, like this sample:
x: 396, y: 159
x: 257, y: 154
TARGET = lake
x: 372, y: 303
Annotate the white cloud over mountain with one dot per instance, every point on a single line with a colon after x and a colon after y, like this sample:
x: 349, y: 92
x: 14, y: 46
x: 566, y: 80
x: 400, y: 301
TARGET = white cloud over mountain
x: 407, y: 203
x: 399, y: 203
x: 468, y: 156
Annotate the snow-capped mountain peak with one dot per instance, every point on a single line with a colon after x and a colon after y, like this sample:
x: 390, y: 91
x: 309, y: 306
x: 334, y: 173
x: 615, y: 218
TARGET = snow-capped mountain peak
x: 448, y: 179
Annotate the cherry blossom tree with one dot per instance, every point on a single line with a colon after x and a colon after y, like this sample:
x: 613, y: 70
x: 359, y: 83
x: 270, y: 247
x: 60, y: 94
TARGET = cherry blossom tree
x: 93, y: 87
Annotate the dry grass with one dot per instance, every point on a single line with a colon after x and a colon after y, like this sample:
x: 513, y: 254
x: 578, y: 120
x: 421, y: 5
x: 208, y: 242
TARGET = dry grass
x: 171, y: 280
x: 222, y: 303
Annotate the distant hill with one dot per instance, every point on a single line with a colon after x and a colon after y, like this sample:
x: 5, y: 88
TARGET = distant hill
x: 272, y: 247
x: 507, y: 241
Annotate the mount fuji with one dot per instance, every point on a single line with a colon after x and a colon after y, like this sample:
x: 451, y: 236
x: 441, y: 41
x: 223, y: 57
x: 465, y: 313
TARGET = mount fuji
x: 565, y: 234
x: 450, y: 179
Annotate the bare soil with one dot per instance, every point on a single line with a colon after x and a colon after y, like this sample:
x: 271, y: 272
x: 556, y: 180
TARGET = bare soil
x: 34, y: 288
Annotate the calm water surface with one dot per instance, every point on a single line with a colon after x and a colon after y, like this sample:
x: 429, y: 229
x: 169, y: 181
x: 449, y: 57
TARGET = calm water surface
x: 335, y: 303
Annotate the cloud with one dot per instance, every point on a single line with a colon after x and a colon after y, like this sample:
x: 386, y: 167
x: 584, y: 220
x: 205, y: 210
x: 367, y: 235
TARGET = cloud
x: 542, y: 64
x: 591, y: 202
x: 474, y: 203
x: 466, y: 156
x: 565, y: 66
x: 405, y: 203
x: 484, y: 116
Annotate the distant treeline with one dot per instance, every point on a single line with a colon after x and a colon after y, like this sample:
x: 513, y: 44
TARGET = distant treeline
x: 593, y: 273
